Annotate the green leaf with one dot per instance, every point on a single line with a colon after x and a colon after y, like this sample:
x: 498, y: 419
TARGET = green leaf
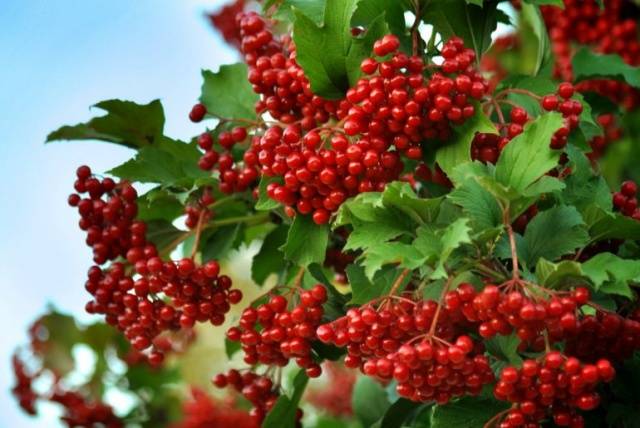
x: 438, y: 245
x: 126, y: 123
x: 590, y: 65
x: 528, y: 156
x: 230, y: 348
x: 331, y: 73
x: 369, y: 234
x: 369, y: 401
x: 457, y: 18
x: 458, y: 151
x: 558, y: 3
x: 306, y: 241
x: 611, y: 274
x: 477, y: 203
x: 554, y: 275
x: 604, y: 224
x: 584, y: 188
x: 365, y: 290
x: 532, y: 16
x: 283, y: 414
x: 313, y: 9
x: 368, y: 11
x: 505, y: 348
x: 159, y: 204
x: 162, y: 233
x: 228, y: 93
x: 223, y: 240
x: 397, y: 413
x: 269, y: 259
x: 168, y: 162
x: 468, y: 412
x: 401, y: 196
x: 390, y: 252
x: 265, y: 203
x: 554, y: 233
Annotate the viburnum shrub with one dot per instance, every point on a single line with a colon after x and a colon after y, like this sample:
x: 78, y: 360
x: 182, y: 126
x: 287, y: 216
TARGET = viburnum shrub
x: 443, y: 221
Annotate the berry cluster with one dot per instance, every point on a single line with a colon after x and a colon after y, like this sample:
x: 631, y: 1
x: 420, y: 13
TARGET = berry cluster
x: 626, y: 200
x: 608, y: 30
x: 260, y: 391
x: 411, y: 343
x: 109, y: 224
x: 23, y: 390
x: 502, y: 312
x: 487, y: 147
x: 317, y: 180
x: 396, y: 103
x: 234, y: 176
x: 224, y: 20
x: 556, y: 386
x: 388, y: 113
x: 130, y: 301
x: 569, y: 108
x: 194, y: 293
x: 202, y: 410
x: 284, y: 334
x: 604, y: 335
x: 79, y: 412
x: 285, y: 91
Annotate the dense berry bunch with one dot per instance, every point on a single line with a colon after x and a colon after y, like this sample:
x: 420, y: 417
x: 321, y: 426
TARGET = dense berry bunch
x: 411, y: 342
x: 260, y: 391
x: 389, y: 112
x: 107, y: 215
x: 234, y: 176
x: 271, y: 334
x: 626, y: 200
x: 317, y: 180
x: 194, y: 293
x: 397, y: 103
x: 130, y: 301
x: 502, y: 312
x: 556, y: 386
x: 604, y: 335
x: 285, y: 91
x: 434, y: 370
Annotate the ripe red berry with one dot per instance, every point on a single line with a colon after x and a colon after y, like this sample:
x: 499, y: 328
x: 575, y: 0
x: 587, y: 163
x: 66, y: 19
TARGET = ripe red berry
x: 197, y: 113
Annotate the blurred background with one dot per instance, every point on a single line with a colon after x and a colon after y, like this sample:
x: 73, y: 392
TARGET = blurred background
x: 58, y: 58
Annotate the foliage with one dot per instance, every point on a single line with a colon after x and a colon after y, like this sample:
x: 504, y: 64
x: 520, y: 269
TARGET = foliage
x: 451, y: 215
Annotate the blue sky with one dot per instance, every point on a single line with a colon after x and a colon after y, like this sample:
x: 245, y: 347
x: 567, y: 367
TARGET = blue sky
x: 58, y: 58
